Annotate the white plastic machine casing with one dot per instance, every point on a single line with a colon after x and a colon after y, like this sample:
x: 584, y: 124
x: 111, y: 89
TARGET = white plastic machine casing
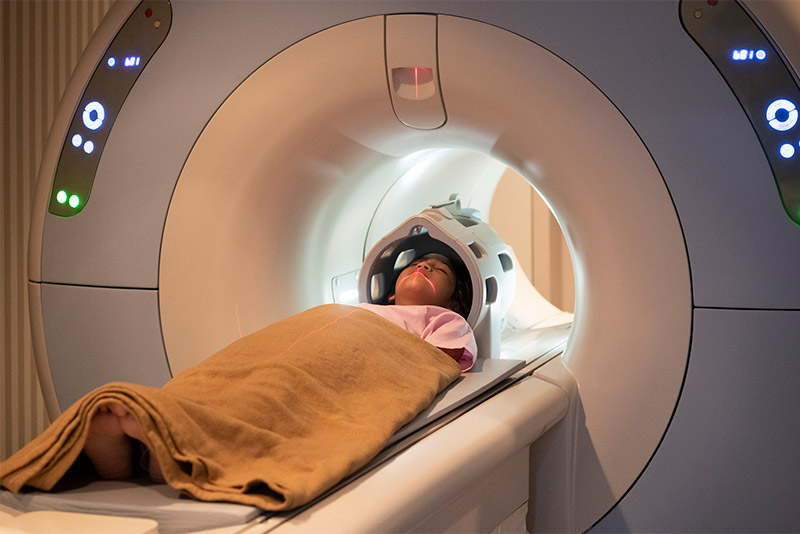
x: 245, y: 169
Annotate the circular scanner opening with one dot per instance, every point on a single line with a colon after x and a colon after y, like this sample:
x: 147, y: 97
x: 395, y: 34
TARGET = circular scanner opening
x: 504, y: 199
x: 279, y: 192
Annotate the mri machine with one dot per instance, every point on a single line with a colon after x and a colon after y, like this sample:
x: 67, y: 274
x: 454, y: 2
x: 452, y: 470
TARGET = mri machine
x: 217, y: 166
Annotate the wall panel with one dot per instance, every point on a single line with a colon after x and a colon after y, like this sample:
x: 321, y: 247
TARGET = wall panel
x: 41, y: 43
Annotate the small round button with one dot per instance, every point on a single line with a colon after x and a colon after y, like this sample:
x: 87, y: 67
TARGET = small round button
x: 782, y: 114
x: 93, y: 115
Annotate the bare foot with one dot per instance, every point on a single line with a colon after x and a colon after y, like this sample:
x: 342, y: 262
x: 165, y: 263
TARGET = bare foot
x: 110, y: 444
x: 108, y: 447
x: 131, y: 428
x: 154, y: 469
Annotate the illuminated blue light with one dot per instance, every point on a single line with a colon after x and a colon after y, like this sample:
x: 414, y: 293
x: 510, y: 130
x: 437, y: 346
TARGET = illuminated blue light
x: 787, y: 150
x: 93, y: 115
x: 77, y: 140
x: 747, y: 54
x: 132, y: 61
x: 88, y: 147
x: 782, y: 114
x: 112, y: 61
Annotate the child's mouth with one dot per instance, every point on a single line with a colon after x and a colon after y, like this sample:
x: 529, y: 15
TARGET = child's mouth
x: 418, y: 272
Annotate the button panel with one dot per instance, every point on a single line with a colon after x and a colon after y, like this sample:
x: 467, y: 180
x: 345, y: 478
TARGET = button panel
x: 762, y: 81
x: 109, y: 86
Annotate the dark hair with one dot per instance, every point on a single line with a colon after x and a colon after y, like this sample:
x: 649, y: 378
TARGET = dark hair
x: 461, y: 301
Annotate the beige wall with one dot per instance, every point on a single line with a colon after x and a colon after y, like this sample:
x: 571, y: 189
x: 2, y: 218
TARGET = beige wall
x: 522, y: 219
x: 41, y: 43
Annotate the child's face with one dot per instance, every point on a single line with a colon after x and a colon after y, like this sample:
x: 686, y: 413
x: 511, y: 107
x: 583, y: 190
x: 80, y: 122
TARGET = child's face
x: 428, y: 280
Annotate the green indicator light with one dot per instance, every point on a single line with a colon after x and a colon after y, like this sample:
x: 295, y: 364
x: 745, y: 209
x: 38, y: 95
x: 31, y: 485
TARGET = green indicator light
x: 61, y: 197
x: 74, y: 200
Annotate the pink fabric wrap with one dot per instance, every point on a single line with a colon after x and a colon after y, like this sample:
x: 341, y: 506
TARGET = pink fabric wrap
x: 438, y: 326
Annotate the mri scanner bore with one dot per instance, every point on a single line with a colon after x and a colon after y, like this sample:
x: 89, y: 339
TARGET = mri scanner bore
x: 662, y: 135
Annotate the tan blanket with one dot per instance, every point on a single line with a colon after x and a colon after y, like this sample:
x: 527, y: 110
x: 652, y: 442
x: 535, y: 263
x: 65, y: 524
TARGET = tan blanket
x: 272, y: 420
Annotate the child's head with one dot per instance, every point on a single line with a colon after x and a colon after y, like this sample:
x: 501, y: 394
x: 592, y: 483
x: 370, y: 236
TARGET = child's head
x: 435, y: 279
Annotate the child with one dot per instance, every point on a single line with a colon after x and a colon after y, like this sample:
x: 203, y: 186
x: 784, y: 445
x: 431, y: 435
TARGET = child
x: 431, y: 300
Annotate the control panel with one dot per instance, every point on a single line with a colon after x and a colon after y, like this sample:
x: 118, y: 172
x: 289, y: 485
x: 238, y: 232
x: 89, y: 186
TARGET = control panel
x: 109, y: 86
x: 762, y: 81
